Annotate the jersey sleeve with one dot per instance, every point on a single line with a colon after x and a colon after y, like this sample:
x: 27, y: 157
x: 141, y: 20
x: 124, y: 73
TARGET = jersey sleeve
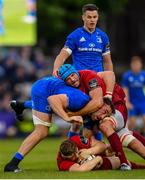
x: 65, y: 165
x: 106, y: 44
x: 81, y: 141
x: 70, y: 42
x: 91, y: 81
x: 124, y: 80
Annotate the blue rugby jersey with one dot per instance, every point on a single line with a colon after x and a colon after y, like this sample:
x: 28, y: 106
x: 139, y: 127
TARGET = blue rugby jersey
x: 88, y: 48
x: 49, y: 86
x: 135, y: 84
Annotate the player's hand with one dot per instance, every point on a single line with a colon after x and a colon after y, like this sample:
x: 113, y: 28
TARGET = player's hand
x: 83, y: 156
x: 108, y: 95
x: 76, y: 119
x: 109, y: 151
x: 55, y: 73
x: 84, y: 153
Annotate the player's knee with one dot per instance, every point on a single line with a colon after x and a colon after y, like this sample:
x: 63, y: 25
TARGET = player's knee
x: 42, y: 131
x: 127, y: 140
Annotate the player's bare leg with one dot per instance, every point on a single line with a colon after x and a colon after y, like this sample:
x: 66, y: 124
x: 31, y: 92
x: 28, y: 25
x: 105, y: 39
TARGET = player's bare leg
x: 136, y: 146
x: 42, y: 122
x: 108, y: 130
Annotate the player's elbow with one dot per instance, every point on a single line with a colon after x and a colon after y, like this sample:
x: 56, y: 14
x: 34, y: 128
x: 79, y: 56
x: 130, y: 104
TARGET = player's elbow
x: 51, y: 99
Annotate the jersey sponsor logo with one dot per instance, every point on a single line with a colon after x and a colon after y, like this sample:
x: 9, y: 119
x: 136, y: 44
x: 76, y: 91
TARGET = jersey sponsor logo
x: 90, y: 49
x: 93, y: 83
x: 91, y: 45
x: 82, y: 39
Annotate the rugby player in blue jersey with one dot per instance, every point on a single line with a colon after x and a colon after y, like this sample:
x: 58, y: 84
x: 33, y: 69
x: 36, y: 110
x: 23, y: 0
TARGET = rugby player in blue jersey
x: 88, y: 45
x: 133, y: 82
x: 42, y: 91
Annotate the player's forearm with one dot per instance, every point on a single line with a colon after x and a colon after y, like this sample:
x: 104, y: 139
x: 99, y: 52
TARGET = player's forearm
x: 60, y: 59
x: 97, y: 149
x: 126, y: 94
x: 87, y: 166
x: 109, y: 80
x: 108, y: 65
x: 91, y: 107
x: 57, y: 106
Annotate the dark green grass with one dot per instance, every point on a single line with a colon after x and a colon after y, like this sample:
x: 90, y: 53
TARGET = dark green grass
x: 41, y: 163
x: 16, y: 31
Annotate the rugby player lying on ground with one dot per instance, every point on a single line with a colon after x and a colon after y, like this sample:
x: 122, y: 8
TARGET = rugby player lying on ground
x: 82, y: 154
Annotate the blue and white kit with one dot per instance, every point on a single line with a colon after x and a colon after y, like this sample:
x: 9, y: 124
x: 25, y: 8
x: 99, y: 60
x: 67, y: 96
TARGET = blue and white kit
x: 87, y: 49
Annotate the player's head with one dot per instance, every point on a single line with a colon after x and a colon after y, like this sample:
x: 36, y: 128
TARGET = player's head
x: 136, y: 64
x: 69, y: 150
x: 90, y: 16
x: 105, y: 111
x: 69, y: 74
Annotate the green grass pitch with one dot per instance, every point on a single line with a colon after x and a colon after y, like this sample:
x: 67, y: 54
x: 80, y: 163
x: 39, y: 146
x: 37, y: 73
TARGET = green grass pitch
x: 41, y: 163
x: 17, y: 32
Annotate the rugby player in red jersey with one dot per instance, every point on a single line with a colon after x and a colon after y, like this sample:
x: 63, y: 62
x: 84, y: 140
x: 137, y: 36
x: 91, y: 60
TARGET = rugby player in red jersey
x: 90, y: 83
x: 94, y: 84
x: 82, y: 154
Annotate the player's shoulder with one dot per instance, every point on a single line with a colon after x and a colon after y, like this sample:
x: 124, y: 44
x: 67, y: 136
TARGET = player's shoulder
x: 76, y: 32
x: 87, y: 71
x: 143, y: 72
x: 81, y: 141
x: 101, y: 32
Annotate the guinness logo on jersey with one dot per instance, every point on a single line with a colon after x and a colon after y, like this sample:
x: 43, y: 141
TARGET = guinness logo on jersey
x: 91, y: 45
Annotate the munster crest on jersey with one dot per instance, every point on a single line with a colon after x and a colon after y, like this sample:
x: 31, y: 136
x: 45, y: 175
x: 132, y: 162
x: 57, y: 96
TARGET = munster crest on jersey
x: 93, y: 83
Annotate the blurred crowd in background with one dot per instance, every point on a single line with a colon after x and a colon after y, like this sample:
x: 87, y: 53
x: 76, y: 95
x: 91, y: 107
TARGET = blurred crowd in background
x: 19, y: 68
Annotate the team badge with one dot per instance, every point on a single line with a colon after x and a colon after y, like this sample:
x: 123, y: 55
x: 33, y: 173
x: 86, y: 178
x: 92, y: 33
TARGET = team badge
x: 84, y: 140
x: 93, y: 83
